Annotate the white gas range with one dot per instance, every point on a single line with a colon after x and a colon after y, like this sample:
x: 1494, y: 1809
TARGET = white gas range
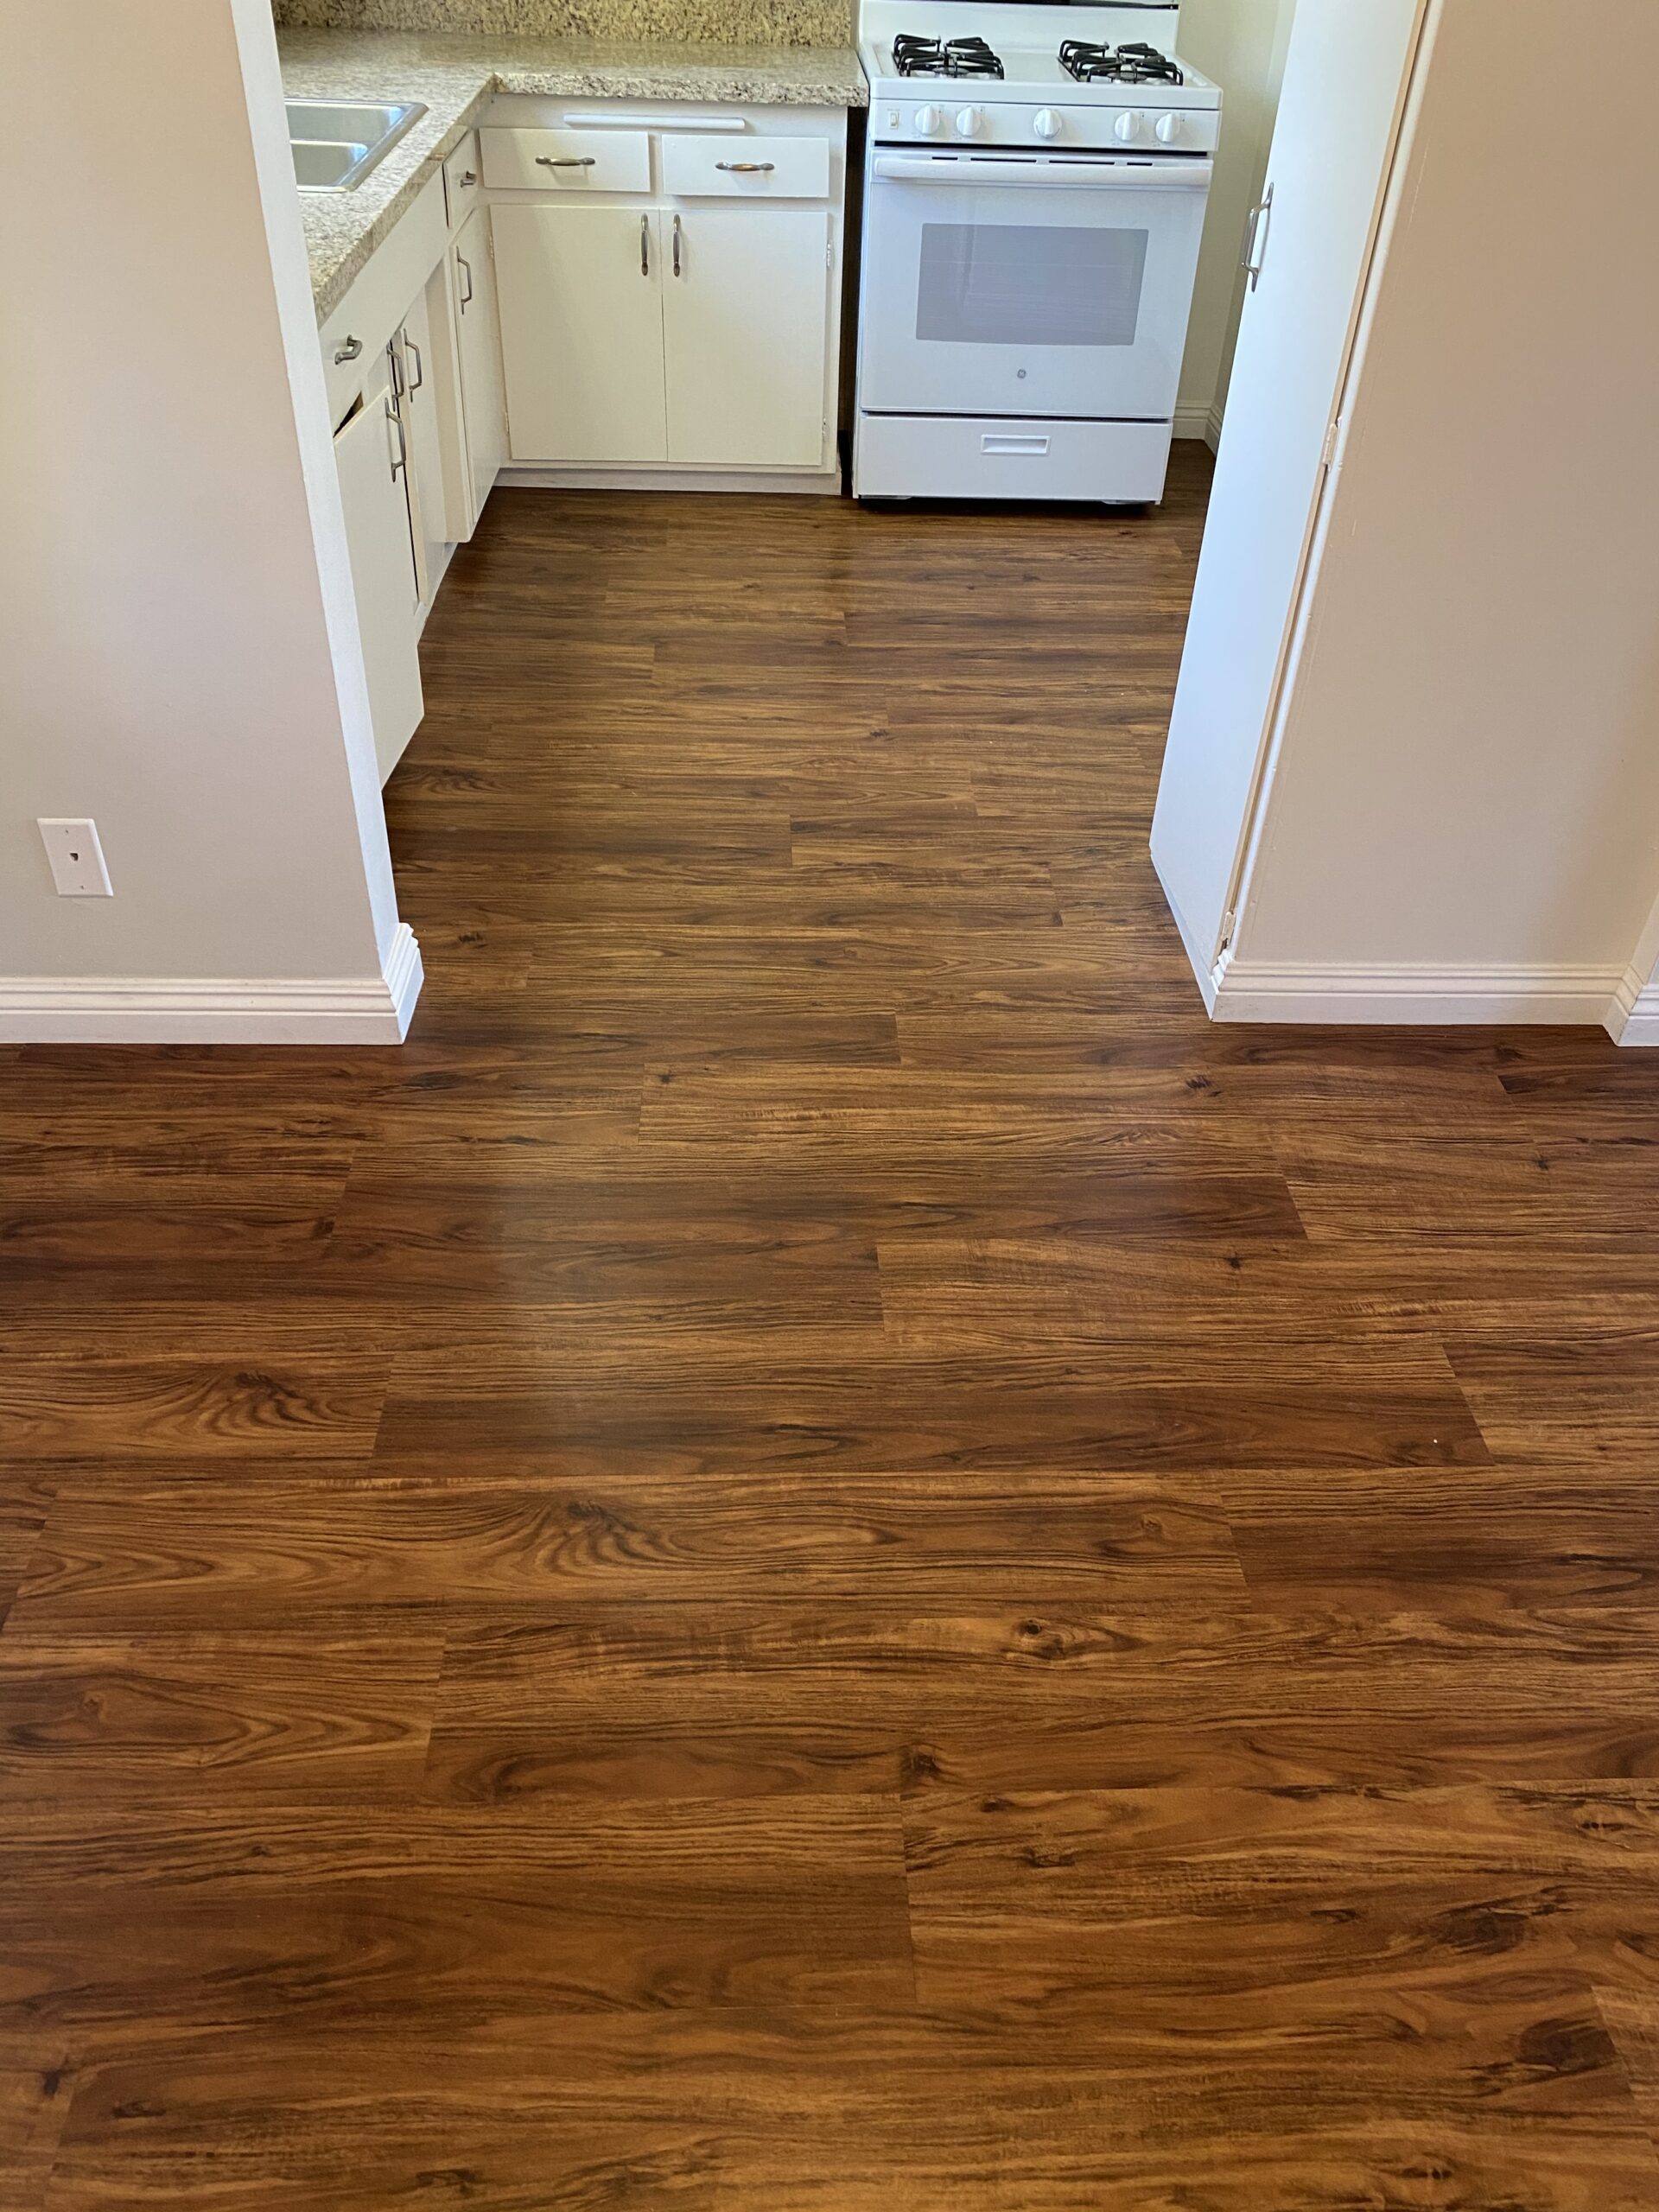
x: 1035, y: 184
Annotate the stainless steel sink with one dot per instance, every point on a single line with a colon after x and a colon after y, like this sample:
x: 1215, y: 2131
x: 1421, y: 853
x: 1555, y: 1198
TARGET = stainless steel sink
x: 336, y: 143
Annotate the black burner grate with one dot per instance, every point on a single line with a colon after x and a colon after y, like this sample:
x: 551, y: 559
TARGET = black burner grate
x: 952, y: 57
x: 1133, y: 64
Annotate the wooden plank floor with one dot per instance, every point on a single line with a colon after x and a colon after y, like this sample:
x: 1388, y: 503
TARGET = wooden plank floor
x: 821, y: 1555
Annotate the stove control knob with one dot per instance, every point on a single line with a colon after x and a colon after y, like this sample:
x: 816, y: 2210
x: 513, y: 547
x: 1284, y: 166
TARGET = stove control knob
x: 928, y: 120
x: 1170, y: 129
x: 1046, y: 123
x: 1128, y: 126
x: 968, y: 121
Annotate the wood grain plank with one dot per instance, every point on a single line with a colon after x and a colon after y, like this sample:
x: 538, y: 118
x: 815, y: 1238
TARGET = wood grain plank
x: 223, y: 1553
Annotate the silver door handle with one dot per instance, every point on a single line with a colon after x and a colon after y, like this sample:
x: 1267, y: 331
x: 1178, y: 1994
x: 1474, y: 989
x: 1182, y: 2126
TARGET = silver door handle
x: 566, y: 161
x: 676, y: 245
x: 348, y: 352
x: 398, y: 379
x: 397, y: 423
x: 466, y: 268
x: 645, y: 245
x: 747, y: 169
x: 418, y: 381
x: 1257, y: 226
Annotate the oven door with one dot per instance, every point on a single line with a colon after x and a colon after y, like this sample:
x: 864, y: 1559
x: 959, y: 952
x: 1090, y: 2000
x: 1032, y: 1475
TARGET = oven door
x: 1028, y: 284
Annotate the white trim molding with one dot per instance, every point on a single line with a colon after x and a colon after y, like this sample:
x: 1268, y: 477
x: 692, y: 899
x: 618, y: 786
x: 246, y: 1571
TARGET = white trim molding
x: 1199, y: 423
x: 1633, y: 1017
x: 539, y: 476
x: 1263, y: 990
x: 120, y: 1010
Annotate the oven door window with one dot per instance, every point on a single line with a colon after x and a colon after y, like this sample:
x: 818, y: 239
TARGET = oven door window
x: 1029, y: 285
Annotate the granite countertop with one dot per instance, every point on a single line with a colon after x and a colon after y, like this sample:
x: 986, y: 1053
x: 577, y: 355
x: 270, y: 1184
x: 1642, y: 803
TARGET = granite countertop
x: 456, y: 76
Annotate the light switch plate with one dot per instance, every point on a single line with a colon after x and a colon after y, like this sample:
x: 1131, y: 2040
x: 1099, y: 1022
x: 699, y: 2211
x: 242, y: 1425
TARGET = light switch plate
x: 76, y: 858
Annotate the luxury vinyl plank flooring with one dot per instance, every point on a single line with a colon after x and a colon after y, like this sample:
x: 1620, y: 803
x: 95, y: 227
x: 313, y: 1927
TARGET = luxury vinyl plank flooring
x: 821, y: 1555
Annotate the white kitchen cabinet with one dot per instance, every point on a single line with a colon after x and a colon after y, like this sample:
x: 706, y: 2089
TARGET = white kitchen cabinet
x: 669, y: 296
x: 480, y: 344
x: 582, y: 332
x: 745, y: 331
x: 417, y: 357
x: 369, y: 454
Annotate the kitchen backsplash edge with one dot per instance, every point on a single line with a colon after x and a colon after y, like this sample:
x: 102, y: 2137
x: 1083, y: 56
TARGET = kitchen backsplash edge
x: 723, y: 22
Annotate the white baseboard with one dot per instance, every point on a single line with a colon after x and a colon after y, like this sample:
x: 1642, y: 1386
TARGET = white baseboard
x: 1199, y: 423
x: 115, y: 1010
x: 825, y: 482
x: 1633, y: 1016
x: 1260, y: 990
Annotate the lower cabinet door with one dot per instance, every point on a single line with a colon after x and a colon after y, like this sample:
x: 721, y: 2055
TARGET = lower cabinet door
x: 368, y: 455
x: 478, y: 339
x: 416, y: 355
x: 745, y: 324
x: 582, y: 332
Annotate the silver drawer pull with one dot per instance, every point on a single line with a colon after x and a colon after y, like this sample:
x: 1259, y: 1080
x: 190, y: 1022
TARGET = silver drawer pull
x: 645, y: 245
x: 1012, y: 441
x: 469, y: 177
x: 348, y: 352
x: 747, y: 169
x: 567, y: 160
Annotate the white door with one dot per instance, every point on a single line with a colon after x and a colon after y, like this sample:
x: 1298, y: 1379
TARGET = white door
x: 369, y: 457
x: 582, y: 332
x: 746, y: 330
x: 1031, y: 284
x: 479, y: 333
x: 1345, y: 79
x: 416, y: 355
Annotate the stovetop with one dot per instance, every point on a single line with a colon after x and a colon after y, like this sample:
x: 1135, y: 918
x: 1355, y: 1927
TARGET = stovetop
x: 1025, y: 73
x: 1081, y: 71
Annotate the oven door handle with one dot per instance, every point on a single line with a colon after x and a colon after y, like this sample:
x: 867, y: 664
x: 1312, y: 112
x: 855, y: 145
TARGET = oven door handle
x: 1183, y: 174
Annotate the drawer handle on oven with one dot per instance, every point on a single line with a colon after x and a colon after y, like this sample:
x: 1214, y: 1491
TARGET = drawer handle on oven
x: 747, y: 169
x: 567, y: 160
x: 1108, y: 173
x: 1010, y: 442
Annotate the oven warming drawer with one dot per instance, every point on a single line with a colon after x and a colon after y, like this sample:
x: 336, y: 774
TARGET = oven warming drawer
x: 993, y: 457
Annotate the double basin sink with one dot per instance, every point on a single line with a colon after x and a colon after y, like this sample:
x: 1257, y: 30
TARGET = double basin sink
x: 336, y: 143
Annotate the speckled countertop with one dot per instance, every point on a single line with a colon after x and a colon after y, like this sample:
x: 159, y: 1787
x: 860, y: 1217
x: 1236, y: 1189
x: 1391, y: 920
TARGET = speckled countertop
x: 454, y: 76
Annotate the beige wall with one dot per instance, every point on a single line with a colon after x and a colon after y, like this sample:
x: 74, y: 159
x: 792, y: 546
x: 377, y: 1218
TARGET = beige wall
x: 1241, y: 43
x: 177, y: 629
x: 1468, y: 776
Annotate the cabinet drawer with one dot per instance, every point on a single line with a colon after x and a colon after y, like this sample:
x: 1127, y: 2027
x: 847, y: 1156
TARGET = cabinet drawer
x: 463, y: 182
x: 567, y: 161
x: 756, y: 168
x: 966, y: 457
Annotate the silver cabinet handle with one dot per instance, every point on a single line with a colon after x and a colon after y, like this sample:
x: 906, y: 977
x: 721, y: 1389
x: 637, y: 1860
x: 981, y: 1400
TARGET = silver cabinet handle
x: 645, y: 245
x: 397, y: 378
x: 1256, y: 238
x: 397, y: 423
x: 348, y: 352
x: 676, y: 245
x: 747, y: 169
x: 468, y: 178
x: 466, y: 269
x: 567, y: 160
x: 418, y: 381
